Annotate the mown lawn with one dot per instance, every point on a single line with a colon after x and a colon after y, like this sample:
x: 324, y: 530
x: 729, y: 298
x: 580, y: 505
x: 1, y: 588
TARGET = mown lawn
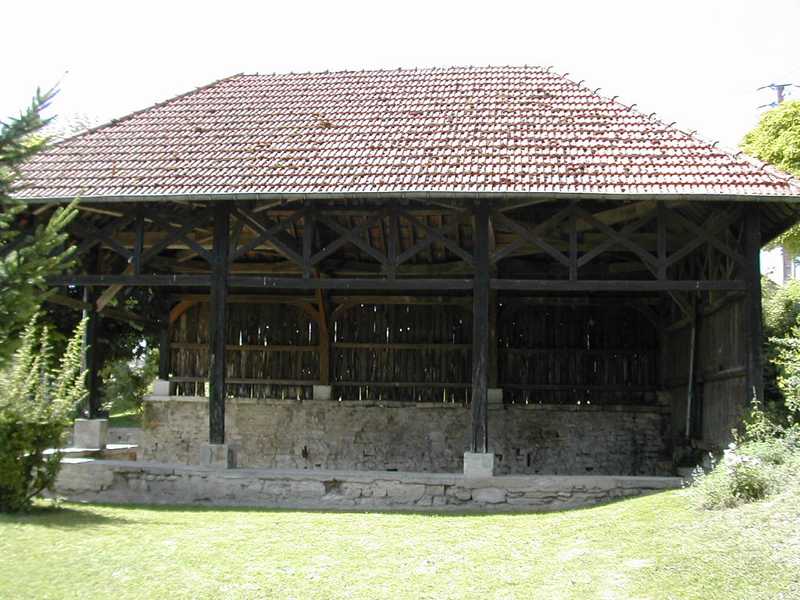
x: 651, y: 547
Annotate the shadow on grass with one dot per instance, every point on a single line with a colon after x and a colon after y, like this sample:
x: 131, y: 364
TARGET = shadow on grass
x: 398, y: 511
x: 59, y: 516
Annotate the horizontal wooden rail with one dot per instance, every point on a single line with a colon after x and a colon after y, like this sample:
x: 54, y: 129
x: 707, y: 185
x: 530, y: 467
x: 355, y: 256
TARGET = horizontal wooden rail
x: 624, y: 285
x: 247, y: 347
x: 645, y: 351
x: 239, y: 381
x: 399, y: 384
x: 568, y: 387
x: 401, y: 346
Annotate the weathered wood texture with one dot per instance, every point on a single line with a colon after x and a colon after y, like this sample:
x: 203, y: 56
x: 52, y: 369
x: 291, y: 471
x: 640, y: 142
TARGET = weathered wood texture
x: 265, y: 343
x: 402, y: 352
x: 547, y: 353
x: 570, y: 354
x: 217, y: 324
x: 720, y: 397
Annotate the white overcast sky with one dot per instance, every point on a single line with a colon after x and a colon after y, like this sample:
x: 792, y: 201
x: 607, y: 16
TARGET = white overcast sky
x: 696, y: 62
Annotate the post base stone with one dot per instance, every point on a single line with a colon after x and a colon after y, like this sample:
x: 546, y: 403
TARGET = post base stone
x: 322, y: 392
x: 494, y: 398
x: 220, y: 456
x: 478, y: 465
x: 161, y: 387
x: 90, y: 433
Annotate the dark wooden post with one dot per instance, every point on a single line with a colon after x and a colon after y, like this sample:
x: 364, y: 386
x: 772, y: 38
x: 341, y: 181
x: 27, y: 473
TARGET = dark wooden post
x: 163, y: 348
x: 324, y: 339
x: 217, y: 322
x: 480, y: 330
x: 492, y: 377
x: 752, y: 308
x: 91, y: 358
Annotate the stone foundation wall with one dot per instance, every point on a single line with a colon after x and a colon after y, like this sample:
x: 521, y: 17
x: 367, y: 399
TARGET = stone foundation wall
x: 83, y: 480
x: 527, y: 439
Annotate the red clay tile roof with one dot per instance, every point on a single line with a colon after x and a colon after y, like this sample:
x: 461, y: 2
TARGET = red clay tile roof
x: 492, y: 129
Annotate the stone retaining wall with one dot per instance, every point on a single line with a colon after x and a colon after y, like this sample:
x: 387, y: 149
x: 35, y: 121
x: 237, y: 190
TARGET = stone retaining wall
x: 527, y: 439
x: 135, y: 482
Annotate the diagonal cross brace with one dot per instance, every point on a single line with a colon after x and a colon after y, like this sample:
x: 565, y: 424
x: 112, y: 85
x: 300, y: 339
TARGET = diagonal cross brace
x: 352, y: 236
x: 178, y: 233
x: 93, y: 236
x: 705, y: 234
x: 434, y: 235
x: 272, y: 232
x: 531, y: 236
x: 646, y: 257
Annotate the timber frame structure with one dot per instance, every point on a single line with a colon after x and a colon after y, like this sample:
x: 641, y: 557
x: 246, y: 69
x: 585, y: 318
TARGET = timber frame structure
x: 564, y: 251
x: 660, y: 258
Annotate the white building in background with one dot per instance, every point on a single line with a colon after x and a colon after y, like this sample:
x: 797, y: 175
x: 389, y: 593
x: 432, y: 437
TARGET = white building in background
x: 777, y: 266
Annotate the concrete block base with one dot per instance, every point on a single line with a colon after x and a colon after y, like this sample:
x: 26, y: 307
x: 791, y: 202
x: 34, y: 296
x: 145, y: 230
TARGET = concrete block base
x: 90, y: 433
x: 162, y: 387
x: 322, y: 392
x: 494, y: 398
x: 478, y: 465
x: 218, y: 455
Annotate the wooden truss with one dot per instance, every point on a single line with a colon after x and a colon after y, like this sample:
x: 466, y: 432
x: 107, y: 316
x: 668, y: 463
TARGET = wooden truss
x: 563, y: 247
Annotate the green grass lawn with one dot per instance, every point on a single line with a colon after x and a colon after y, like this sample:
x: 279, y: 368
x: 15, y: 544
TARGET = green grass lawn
x: 650, y: 547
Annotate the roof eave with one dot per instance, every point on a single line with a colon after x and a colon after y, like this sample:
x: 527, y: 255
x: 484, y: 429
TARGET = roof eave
x: 415, y: 195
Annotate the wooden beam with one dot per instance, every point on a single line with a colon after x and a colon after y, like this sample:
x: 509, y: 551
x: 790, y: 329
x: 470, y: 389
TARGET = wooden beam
x: 690, y: 385
x: 217, y: 323
x: 324, y: 339
x: 111, y: 292
x: 479, y: 439
x: 164, y: 350
x: 752, y: 317
x: 118, y: 314
x: 405, y: 299
x: 91, y: 356
x: 563, y: 285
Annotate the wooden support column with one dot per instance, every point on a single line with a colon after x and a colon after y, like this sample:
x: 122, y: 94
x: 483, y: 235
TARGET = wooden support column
x: 324, y: 339
x: 164, y: 347
x: 492, y: 377
x: 691, y: 379
x: 91, y: 357
x: 752, y: 309
x: 217, y: 321
x: 479, y: 440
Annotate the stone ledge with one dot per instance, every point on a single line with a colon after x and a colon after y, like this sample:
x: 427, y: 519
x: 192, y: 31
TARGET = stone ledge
x: 615, y: 408
x: 85, y: 479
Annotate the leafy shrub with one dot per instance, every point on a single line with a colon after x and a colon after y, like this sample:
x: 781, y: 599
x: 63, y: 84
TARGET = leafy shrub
x: 127, y: 381
x: 736, y: 479
x: 37, y: 397
x: 787, y: 358
x: 760, y: 463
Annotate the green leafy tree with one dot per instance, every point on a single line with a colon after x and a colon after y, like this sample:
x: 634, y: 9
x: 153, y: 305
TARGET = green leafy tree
x: 38, y: 395
x: 29, y: 251
x: 776, y: 140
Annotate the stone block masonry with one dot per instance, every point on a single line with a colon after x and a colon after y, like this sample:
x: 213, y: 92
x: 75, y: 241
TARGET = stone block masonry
x: 526, y: 439
x: 87, y: 480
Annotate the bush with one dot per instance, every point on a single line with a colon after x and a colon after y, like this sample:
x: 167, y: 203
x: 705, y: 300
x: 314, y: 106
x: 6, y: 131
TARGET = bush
x: 37, y: 397
x: 127, y: 381
x: 736, y: 479
x: 758, y: 464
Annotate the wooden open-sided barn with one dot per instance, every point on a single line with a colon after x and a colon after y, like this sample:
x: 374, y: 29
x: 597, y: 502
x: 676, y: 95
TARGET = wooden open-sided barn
x: 383, y: 269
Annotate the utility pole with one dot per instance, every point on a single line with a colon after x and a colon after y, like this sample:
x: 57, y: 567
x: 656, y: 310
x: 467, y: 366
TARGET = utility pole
x: 780, y: 92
